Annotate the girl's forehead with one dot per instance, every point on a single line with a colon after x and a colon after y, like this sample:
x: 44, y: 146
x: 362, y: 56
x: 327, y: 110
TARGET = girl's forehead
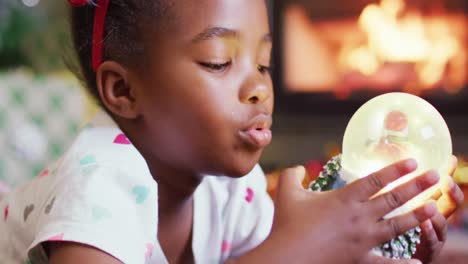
x: 192, y: 16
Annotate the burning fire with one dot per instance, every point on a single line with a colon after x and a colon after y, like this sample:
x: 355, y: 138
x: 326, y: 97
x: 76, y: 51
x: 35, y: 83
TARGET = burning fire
x: 461, y: 174
x: 394, y: 36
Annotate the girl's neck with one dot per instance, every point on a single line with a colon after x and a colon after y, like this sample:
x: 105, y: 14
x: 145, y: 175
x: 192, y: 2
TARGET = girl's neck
x: 175, y: 208
x: 175, y: 189
x: 175, y: 198
x: 176, y: 186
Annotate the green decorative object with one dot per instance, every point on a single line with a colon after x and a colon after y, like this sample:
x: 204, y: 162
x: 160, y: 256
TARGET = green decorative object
x: 401, y: 247
x: 34, y: 35
x: 328, y: 176
x: 40, y: 116
x: 15, y: 25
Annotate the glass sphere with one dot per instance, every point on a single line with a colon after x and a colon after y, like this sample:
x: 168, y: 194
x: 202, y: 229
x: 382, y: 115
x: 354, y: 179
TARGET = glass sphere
x: 392, y: 127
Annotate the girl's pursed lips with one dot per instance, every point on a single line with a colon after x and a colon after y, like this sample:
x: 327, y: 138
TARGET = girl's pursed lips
x: 257, y: 133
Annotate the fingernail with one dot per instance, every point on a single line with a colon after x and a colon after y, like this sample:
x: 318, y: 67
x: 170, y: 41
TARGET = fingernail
x: 432, y: 176
x: 415, y: 262
x: 411, y: 164
x: 299, y: 169
x: 430, y: 208
x: 451, y: 184
x: 427, y: 225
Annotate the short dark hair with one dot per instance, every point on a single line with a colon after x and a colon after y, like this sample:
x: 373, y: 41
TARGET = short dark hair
x: 124, y: 29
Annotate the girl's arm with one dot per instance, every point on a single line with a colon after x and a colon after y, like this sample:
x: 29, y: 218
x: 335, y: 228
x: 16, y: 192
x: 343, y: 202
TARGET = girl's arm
x: 76, y: 253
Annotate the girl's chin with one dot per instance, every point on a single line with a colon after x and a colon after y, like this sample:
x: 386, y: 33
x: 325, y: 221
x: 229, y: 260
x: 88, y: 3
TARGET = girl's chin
x: 240, y: 171
x: 232, y: 171
x: 237, y: 167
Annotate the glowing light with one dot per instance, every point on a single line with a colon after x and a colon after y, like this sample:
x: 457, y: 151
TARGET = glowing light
x: 394, y: 36
x: 461, y: 174
x: 392, y: 127
x: 31, y: 3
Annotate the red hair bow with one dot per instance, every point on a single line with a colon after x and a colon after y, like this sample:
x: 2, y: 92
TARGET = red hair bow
x: 98, y: 29
x: 78, y: 3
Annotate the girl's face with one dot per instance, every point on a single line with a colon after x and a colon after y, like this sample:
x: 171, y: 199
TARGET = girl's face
x: 207, y: 94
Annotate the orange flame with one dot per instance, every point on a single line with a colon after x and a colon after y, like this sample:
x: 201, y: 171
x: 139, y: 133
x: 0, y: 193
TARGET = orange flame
x: 396, y: 37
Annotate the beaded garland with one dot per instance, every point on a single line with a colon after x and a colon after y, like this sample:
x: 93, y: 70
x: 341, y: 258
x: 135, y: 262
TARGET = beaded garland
x: 401, y: 247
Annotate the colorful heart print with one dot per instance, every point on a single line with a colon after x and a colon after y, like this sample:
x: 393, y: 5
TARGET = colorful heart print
x: 141, y: 192
x: 250, y: 194
x: 99, y: 213
x: 149, y: 250
x: 122, y: 139
x: 88, y: 160
x: 5, y: 213
x: 27, y: 211
x: 58, y: 237
x: 225, y: 246
x: 88, y: 164
x: 49, y: 206
x: 44, y: 173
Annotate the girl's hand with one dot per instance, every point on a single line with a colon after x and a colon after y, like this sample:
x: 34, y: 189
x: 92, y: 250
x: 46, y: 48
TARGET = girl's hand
x: 434, y: 231
x: 373, y: 259
x: 343, y: 225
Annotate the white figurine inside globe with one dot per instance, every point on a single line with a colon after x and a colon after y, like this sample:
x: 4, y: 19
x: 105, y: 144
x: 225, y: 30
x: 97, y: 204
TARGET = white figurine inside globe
x: 392, y: 127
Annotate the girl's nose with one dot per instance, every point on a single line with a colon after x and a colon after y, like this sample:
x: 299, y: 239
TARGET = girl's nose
x: 256, y: 89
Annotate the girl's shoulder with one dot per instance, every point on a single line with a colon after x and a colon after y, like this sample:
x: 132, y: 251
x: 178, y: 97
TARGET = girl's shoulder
x: 102, y: 139
x: 98, y: 186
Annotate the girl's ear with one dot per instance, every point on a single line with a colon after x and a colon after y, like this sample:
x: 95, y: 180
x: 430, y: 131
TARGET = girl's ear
x: 116, y: 91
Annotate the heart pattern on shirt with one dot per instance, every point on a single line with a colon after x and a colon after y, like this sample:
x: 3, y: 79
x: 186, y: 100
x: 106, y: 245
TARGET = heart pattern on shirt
x: 149, y: 250
x: 88, y: 164
x: 56, y: 238
x: 100, y: 213
x: 87, y: 160
x: 44, y: 173
x: 5, y: 213
x: 250, y: 195
x: 27, y: 211
x: 49, y: 206
x: 225, y: 246
x: 141, y: 193
x: 122, y: 140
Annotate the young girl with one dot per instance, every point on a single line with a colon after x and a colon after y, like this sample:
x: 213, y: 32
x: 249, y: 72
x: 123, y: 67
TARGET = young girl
x: 169, y: 174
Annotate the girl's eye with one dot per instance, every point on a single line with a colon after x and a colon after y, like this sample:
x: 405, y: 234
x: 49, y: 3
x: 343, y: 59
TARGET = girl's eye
x: 215, y: 67
x: 263, y: 69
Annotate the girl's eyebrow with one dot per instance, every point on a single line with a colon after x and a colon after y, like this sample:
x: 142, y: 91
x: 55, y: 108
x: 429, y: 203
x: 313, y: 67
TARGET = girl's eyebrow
x: 222, y: 32
x: 215, y: 32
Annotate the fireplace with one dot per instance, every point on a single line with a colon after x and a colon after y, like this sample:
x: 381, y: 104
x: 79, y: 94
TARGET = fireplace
x: 334, y: 55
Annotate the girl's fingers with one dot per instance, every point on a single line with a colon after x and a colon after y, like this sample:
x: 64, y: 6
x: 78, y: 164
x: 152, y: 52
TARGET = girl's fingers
x: 438, y: 224
x: 451, y: 171
x: 451, y: 199
x: 429, y: 236
x: 368, y: 186
x: 395, y: 198
x: 453, y: 167
x: 392, y: 227
x: 433, y: 236
x: 372, y: 259
x: 291, y: 179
